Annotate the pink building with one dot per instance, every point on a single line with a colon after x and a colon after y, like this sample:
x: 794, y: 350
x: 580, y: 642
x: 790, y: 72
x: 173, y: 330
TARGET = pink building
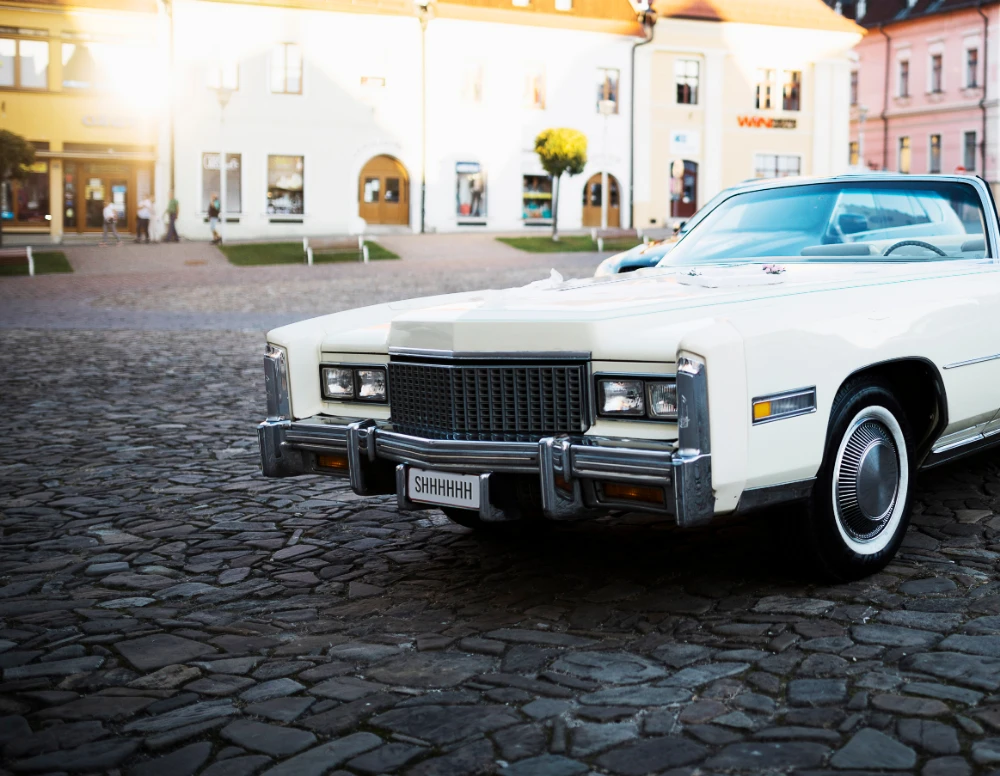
x: 924, y: 86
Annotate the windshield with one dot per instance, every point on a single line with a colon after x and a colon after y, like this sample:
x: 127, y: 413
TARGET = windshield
x: 844, y: 221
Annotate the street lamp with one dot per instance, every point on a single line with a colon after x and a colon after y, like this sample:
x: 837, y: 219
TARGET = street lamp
x: 223, y: 93
x: 605, y: 108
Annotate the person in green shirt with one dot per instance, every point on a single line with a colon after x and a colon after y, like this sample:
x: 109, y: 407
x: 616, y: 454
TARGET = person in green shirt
x: 173, y: 208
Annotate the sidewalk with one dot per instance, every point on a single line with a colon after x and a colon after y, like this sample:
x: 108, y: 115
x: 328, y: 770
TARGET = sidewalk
x: 130, y: 257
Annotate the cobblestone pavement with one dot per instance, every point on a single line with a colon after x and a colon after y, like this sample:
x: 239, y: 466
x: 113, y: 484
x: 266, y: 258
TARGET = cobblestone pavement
x: 165, y: 610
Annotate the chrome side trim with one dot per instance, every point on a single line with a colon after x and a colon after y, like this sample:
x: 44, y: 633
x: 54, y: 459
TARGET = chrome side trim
x: 784, y: 395
x: 771, y: 495
x: 279, y: 402
x: 970, y: 446
x: 528, y: 355
x: 971, y: 361
x: 360, y: 446
x: 277, y: 459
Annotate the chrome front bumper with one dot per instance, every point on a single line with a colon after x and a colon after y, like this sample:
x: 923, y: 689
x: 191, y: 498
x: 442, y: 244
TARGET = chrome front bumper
x: 571, y: 470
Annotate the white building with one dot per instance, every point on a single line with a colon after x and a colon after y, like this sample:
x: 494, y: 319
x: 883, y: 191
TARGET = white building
x: 324, y: 121
x: 730, y: 90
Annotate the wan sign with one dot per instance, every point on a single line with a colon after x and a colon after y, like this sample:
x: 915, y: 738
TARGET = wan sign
x: 764, y: 122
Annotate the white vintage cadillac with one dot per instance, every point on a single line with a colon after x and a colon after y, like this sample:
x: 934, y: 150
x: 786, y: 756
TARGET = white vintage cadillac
x: 810, y: 341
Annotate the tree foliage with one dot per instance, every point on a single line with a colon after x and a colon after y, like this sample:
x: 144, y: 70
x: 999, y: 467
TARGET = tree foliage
x: 16, y: 156
x: 561, y: 151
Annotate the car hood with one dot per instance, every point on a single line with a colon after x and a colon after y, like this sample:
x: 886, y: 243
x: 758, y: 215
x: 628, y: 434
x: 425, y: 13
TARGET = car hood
x: 604, y: 315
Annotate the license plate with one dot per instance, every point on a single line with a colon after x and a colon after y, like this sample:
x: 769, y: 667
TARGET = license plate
x: 443, y: 488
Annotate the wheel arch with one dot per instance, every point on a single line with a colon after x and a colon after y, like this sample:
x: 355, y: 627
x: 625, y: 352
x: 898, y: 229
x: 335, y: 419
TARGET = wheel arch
x: 917, y: 384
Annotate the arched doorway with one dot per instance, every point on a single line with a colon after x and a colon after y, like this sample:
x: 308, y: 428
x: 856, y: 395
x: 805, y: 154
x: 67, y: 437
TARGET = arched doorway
x: 684, y: 192
x: 384, y: 192
x: 592, y: 202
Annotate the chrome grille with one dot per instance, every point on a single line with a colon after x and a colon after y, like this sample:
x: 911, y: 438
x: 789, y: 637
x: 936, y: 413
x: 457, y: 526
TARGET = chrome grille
x: 485, y: 401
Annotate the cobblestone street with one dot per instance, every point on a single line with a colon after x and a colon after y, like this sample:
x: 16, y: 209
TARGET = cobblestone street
x: 166, y: 610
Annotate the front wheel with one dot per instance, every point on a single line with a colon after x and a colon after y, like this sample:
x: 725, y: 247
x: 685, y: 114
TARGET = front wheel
x: 860, y: 506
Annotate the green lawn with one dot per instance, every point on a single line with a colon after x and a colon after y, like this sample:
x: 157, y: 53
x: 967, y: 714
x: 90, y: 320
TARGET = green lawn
x: 46, y: 262
x: 254, y: 254
x: 574, y: 243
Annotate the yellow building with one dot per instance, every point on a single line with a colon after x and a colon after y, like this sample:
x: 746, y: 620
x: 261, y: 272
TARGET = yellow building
x: 85, y: 82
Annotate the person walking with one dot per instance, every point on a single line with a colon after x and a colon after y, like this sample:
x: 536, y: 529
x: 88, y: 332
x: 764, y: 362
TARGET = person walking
x: 214, y: 208
x: 110, y: 221
x: 143, y: 216
x: 173, y: 209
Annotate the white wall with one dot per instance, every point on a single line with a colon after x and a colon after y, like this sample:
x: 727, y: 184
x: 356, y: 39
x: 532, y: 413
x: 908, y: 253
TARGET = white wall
x: 499, y: 131
x: 337, y: 124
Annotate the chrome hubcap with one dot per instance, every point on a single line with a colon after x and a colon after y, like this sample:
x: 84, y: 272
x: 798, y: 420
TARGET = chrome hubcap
x: 867, y: 480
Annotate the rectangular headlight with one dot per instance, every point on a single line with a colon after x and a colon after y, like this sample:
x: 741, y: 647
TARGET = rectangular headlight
x: 371, y: 384
x: 662, y: 397
x: 622, y: 397
x: 337, y: 382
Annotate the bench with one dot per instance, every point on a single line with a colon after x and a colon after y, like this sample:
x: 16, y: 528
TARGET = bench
x: 334, y: 244
x: 18, y: 256
x: 614, y: 233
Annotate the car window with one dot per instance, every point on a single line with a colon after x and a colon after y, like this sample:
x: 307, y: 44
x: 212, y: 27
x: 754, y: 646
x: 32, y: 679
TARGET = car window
x: 854, y: 220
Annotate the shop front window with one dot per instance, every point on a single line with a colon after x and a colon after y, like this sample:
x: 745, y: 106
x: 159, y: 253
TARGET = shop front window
x: 536, y: 198
x: 211, y: 182
x: 26, y: 202
x: 470, y: 191
x: 285, y: 185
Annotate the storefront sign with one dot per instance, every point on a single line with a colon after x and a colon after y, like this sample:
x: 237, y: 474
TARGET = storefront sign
x: 685, y: 143
x: 764, y: 122
x: 211, y: 161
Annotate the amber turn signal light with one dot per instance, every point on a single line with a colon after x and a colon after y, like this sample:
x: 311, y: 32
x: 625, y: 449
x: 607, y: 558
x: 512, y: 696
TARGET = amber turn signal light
x: 623, y: 492
x: 331, y: 461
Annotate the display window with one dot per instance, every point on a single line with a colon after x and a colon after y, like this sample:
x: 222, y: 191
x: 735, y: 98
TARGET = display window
x: 26, y: 202
x: 211, y: 183
x: 536, y: 198
x: 285, y: 186
x: 470, y: 195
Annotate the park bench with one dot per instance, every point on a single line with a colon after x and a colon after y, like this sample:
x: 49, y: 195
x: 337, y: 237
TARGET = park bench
x: 18, y: 256
x: 614, y: 233
x: 309, y: 246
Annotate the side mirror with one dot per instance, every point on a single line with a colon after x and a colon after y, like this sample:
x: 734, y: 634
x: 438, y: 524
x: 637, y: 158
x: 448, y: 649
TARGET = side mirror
x: 852, y: 223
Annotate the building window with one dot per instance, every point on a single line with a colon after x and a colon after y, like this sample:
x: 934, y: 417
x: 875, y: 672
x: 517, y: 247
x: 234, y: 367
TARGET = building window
x: 472, y: 83
x: 223, y: 75
x: 285, y: 196
x: 971, y: 68
x: 564, y: 5
x: 607, y: 88
x: 211, y: 183
x: 854, y: 157
x: 904, y: 154
x: 470, y: 193
x: 24, y: 64
x: 969, y: 151
x: 854, y: 87
x: 26, y: 202
x: 937, y: 66
x: 792, y: 90
x: 934, y: 154
x: 904, y: 78
x: 776, y: 165
x: 520, y: 3
x: 286, y: 69
x: 536, y: 198
x: 765, y: 88
x: 534, y: 87
x: 686, y: 73
x: 99, y: 66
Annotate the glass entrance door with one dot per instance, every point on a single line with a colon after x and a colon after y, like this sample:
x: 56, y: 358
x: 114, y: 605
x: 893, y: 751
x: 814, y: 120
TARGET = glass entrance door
x: 95, y: 194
